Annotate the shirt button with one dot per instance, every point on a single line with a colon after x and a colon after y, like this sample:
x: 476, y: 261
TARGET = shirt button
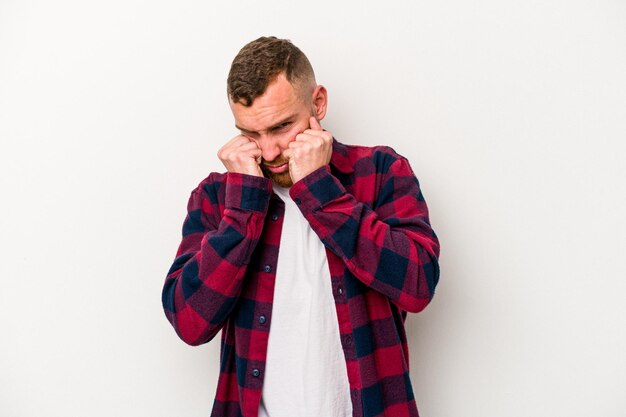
x: 274, y: 217
x: 256, y: 373
x: 267, y: 268
x: 262, y: 319
x: 340, y: 290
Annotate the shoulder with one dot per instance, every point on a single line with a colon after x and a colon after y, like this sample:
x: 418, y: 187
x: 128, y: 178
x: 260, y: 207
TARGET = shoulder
x: 364, y: 159
x: 206, y: 201
x: 210, y: 187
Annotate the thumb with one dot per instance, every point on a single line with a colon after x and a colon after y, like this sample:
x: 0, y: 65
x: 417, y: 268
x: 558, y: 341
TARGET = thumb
x: 315, y: 124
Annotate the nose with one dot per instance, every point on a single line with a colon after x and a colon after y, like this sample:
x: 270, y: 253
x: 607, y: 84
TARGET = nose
x: 269, y: 148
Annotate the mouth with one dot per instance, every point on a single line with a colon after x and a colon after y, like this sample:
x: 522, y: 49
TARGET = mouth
x: 278, y: 169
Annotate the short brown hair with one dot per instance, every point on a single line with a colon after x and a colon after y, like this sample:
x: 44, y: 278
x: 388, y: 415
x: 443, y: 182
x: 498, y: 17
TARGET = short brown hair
x: 259, y: 63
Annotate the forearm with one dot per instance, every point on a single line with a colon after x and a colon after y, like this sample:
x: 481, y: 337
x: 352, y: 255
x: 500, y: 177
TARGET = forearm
x: 206, y: 278
x: 392, y: 249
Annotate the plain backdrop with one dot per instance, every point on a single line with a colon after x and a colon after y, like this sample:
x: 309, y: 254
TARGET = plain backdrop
x: 512, y: 114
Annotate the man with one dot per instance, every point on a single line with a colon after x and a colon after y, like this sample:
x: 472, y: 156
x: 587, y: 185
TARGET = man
x: 307, y: 254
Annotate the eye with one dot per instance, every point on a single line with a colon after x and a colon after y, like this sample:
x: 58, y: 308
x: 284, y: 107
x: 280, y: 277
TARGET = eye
x: 281, y: 126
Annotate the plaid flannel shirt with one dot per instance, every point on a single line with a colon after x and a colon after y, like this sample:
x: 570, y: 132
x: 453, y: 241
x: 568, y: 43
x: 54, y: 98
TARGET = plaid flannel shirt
x: 367, y: 209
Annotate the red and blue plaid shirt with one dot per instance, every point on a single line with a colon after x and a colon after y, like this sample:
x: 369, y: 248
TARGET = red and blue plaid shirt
x: 367, y: 209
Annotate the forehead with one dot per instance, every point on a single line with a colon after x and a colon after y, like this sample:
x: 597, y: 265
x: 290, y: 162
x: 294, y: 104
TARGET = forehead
x: 280, y: 100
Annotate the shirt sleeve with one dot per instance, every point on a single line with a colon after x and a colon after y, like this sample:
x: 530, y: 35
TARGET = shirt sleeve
x: 391, y: 246
x: 219, y: 234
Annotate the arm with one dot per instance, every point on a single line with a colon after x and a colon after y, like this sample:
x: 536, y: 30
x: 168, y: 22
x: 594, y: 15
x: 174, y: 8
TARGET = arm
x: 390, y: 248
x: 206, y: 278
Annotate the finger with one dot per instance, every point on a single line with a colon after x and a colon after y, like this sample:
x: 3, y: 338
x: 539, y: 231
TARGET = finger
x: 254, y: 153
x: 296, y: 144
x: 315, y: 124
x: 318, y: 133
x: 250, y: 146
x: 233, y: 145
x: 237, y: 140
x: 311, y: 135
x: 313, y: 138
x: 304, y: 136
x: 246, y: 150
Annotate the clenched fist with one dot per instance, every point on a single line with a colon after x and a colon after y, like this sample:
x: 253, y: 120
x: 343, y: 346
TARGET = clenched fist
x: 310, y: 150
x: 241, y: 155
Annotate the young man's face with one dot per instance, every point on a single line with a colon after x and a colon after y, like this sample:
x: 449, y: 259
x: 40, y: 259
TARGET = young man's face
x: 274, y: 120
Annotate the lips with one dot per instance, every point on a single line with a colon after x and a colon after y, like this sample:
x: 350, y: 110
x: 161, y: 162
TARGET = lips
x: 277, y: 169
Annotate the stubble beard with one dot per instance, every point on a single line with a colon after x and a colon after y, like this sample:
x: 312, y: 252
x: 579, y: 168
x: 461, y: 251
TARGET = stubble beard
x: 282, y: 179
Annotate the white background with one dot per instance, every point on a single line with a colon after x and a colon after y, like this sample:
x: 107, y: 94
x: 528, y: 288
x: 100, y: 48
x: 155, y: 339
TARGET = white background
x: 512, y: 113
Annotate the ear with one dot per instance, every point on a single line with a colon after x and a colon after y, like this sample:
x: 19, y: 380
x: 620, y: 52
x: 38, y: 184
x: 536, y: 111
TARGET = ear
x: 320, y: 101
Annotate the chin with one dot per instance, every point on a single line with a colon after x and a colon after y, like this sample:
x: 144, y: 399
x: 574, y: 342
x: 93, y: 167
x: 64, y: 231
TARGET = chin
x: 282, y: 179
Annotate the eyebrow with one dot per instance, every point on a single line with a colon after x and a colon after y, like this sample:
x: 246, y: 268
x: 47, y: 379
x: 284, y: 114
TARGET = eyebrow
x: 273, y: 127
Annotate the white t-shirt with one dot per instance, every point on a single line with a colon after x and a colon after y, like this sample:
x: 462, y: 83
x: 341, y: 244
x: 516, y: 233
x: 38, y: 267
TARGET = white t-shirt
x: 305, y: 371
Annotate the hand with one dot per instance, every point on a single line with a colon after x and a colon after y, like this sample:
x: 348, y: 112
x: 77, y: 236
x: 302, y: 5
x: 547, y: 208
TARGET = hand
x: 311, y: 150
x: 241, y: 155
